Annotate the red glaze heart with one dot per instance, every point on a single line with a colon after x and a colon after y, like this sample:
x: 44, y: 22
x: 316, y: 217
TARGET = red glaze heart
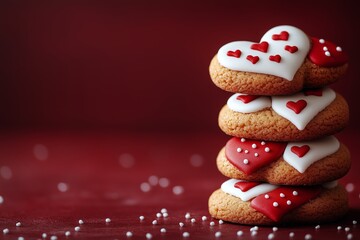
x: 275, y: 204
x: 314, y: 92
x: 246, y: 98
x: 250, y: 155
x: 284, y: 35
x: 236, y: 53
x: 245, y: 186
x: 298, y: 106
x: 300, y: 151
x: 326, y: 54
x: 275, y: 58
x: 291, y: 49
x: 262, y: 47
x: 253, y: 59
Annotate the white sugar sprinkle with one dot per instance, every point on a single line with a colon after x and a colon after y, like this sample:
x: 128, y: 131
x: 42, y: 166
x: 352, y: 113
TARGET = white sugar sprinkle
x: 6, y: 231
x: 107, y: 220
x: 154, y: 222
x: 246, y: 161
x: 317, y: 227
x: 339, y: 228
x: 163, y: 230
x: 347, y: 229
x: 254, y: 145
x: 239, y: 233
x: 145, y: 187
x: 18, y: 224
x: 275, y: 204
x: 238, y: 149
x: 165, y: 214
x: 354, y: 222
x: 295, y: 193
x: 177, y: 190
x: 81, y: 221
x: 21, y: 238
x: 267, y: 149
x: 246, y: 151
x: 218, y: 234
x: 164, y: 182
x: 325, y: 48
x: 187, y: 216
x: 263, y: 143
x: 148, y: 236
x: 181, y: 224
x: 193, y: 220
x: 153, y: 180
x: 221, y: 221
x: 255, y: 228
x: 141, y: 218
x: 327, y: 53
x: 67, y: 233
x: 242, y: 140
x: 254, y: 233
x: 308, y: 236
x: 256, y: 154
x: 292, y: 234
x: 282, y: 195
x: 77, y: 228
x: 212, y: 223
x: 321, y: 40
x: 44, y: 235
x: 349, y: 236
x: 267, y: 196
x: 158, y: 215
x: 271, y: 236
x: 53, y: 237
x: 288, y: 202
x: 186, y: 234
x: 204, y: 218
x: 129, y: 234
x: 275, y: 229
x: 163, y: 210
x: 1, y: 200
x: 338, y: 49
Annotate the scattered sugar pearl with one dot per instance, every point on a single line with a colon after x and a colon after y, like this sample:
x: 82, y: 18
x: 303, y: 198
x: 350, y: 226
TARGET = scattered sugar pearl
x: 212, y: 223
x: 18, y: 224
x: 67, y: 233
x: 129, y: 234
x: 254, y: 233
x: 181, y: 224
x: 347, y: 229
x: 288, y: 202
x: 1, y: 200
x: 238, y: 150
x: 339, y: 228
x: 163, y: 210
x: 154, y: 222
x: 81, y: 222
x: 271, y: 236
x: 256, y: 154
x: 254, y: 145
x: 44, y: 235
x: 292, y: 234
x: 339, y: 49
x: 204, y: 218
x: 158, y: 215
x: 354, y: 222
x: 263, y: 143
x: 148, y: 236
x: 163, y: 230
x: 177, y: 190
x: 239, y: 233
x: 321, y: 40
x: 153, y: 180
x: 107, y: 220
x: 77, y: 228
x: 165, y: 214
x: 308, y: 236
x: 349, y: 236
x: 141, y: 218
x: 317, y: 227
x: 6, y: 231
x: 186, y: 234
x: 267, y: 196
x: 21, y: 238
x: 193, y: 220
x: 255, y: 228
x: 187, y: 216
x: 242, y: 140
x: 350, y: 187
x: 275, y: 204
x: 275, y: 229
x: 145, y: 187
x: 246, y: 161
x: 267, y: 149
x: 164, y: 182
x: 282, y: 195
x: 327, y: 53
x: 62, y: 187
x: 221, y: 221
x: 295, y: 193
x: 218, y: 234
x: 246, y: 151
x: 325, y: 49
x: 53, y: 237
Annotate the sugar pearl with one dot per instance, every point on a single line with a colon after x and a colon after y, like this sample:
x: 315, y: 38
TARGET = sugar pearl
x: 246, y: 161
x: 212, y: 223
x: 163, y: 210
x: 77, y: 228
x: 246, y: 151
x: 325, y: 48
x: 181, y: 224
x: 262, y: 143
x: 256, y: 154
x: 81, y: 222
x: 317, y: 227
x: 218, y: 234
x: 148, y: 236
x: 129, y: 234
x: 253, y: 145
x: 18, y: 224
x: 239, y: 233
x: 292, y: 234
x: 267, y: 196
x: 267, y: 149
x: 282, y: 195
x: 275, y: 204
x: 154, y: 222
x: 242, y: 140
x: 107, y: 220
x: 321, y: 41
x: 186, y: 234
x: 295, y: 193
x: 44, y: 235
x: 187, y: 215
x: 221, y: 221
x: 275, y: 229
x: 193, y: 220
x: 204, y: 218
x: 288, y: 202
x: 53, y: 237
x: 158, y: 215
x: 163, y: 230
x: 308, y: 236
x: 141, y: 218
x: 238, y: 149
x: 271, y: 236
x: 6, y: 231
x: 347, y: 229
x: 338, y: 49
x: 67, y: 233
x: 349, y: 236
x: 327, y: 53
x: 165, y: 214
x: 354, y: 222
x: 339, y: 228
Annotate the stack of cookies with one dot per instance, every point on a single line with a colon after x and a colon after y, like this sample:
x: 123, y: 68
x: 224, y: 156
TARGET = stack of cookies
x: 282, y: 158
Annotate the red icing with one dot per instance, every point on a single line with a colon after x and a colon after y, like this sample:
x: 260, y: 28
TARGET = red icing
x: 275, y: 58
x: 236, y: 53
x: 291, y: 49
x: 246, y: 98
x: 300, y: 151
x: 262, y: 47
x: 284, y: 35
x: 265, y: 205
x: 254, y: 163
x: 318, y: 57
x: 253, y: 59
x: 314, y: 92
x: 245, y: 186
x: 298, y: 106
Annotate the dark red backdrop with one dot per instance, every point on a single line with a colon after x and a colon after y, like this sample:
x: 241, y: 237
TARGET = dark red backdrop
x: 138, y: 65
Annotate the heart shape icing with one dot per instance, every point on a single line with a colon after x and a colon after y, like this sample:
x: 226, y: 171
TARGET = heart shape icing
x: 297, y: 106
x: 248, y: 103
x: 300, y: 151
x: 284, y: 36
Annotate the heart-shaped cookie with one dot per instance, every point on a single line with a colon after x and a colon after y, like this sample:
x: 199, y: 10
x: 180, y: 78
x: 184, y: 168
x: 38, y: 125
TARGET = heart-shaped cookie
x: 280, y: 52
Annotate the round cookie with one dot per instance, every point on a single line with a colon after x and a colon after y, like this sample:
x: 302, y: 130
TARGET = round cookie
x: 285, y: 61
x: 294, y: 163
x: 265, y: 204
x: 303, y: 116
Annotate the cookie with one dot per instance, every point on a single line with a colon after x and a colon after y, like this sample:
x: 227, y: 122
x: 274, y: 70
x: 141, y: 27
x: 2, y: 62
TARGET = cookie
x: 305, y: 115
x: 294, y: 163
x: 257, y: 203
x: 285, y: 61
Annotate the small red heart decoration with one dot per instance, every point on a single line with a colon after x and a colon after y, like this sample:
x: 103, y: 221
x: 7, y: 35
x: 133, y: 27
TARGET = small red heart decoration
x: 236, y: 53
x: 246, y: 98
x: 298, y: 106
x: 262, y: 47
x: 314, y: 92
x: 284, y: 35
x: 300, y: 151
x: 291, y: 49
x: 253, y: 59
x: 275, y: 58
x: 245, y: 186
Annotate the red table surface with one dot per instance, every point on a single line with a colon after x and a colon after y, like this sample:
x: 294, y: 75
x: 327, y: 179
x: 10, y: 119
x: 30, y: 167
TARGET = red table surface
x: 32, y: 164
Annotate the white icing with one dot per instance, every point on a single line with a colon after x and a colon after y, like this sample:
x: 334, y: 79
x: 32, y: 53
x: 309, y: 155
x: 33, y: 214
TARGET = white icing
x: 318, y: 150
x: 289, y: 64
x: 253, y: 106
x: 330, y: 185
x: 228, y: 187
x: 315, y: 104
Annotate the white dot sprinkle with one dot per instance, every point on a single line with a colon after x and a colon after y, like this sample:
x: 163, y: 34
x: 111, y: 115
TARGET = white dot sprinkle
x: 163, y: 230
x: 141, y: 218
x: 349, y: 236
x: 6, y: 231
x: 267, y: 149
x: 221, y: 221
x: 154, y: 222
x: 177, y: 190
x: 67, y: 233
x: 246, y: 161
x: 1, y: 200
x: 158, y: 215
x: 350, y: 187
x: 339, y: 228
x: 129, y: 234
x: 267, y: 196
x: 163, y: 210
x: 165, y: 214
x: 6, y: 173
x: 255, y: 228
x: 282, y: 195
x: 186, y: 234
x: 164, y: 182
x: 21, y: 238
x: 292, y: 234
x: 325, y: 48
x: 181, y: 224
x: 77, y: 228
x: 107, y: 220
x: 308, y: 236
x: 218, y: 234
x: 321, y: 40
x: 254, y: 145
x: 204, y: 218
x: 187, y: 216
x: 256, y: 154
x: 126, y: 160
x: 148, y: 236
x: 263, y: 143
x: 239, y: 233
x: 327, y: 53
x: 246, y: 151
x: 242, y: 140
x: 153, y: 180
x: 317, y: 227
x: 339, y: 49
x: 62, y: 187
x: 288, y: 202
x: 81, y: 221
x: 275, y: 204
x: 193, y: 220
x: 295, y: 193
x: 18, y: 224
x: 212, y: 223
x: 196, y: 160
x: 254, y: 233
x: 275, y: 229
x: 347, y: 229
x: 53, y: 237
x: 238, y: 149
x: 44, y: 235
x: 271, y: 236
x: 354, y: 222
